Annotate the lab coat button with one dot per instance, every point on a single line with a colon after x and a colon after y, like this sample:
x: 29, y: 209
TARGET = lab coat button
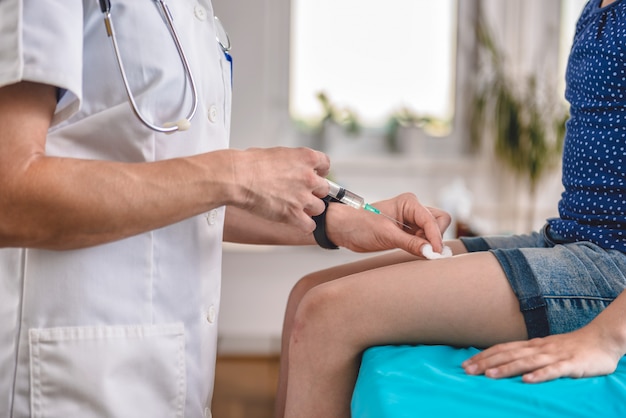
x: 212, y: 113
x: 210, y: 316
x: 207, y: 413
x: 200, y: 12
x: 211, y: 217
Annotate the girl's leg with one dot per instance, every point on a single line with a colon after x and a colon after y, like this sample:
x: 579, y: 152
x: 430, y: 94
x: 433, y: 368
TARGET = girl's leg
x: 464, y: 300
x: 311, y: 280
x: 301, y: 288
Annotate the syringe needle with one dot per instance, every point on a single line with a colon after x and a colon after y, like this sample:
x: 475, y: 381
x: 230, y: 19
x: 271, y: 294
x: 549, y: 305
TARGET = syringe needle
x: 371, y: 208
x: 395, y: 220
x: 352, y: 199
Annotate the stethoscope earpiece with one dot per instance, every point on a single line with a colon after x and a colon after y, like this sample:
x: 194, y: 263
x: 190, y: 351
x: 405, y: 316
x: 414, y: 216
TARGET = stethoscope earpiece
x: 105, y: 5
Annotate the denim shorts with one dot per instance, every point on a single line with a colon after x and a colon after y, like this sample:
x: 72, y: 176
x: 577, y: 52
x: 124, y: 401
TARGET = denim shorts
x: 561, y: 286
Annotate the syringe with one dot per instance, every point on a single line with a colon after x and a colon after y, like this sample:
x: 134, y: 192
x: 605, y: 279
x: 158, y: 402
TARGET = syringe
x: 352, y: 199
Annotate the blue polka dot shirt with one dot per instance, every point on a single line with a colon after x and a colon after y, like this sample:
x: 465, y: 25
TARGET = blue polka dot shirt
x: 593, y: 205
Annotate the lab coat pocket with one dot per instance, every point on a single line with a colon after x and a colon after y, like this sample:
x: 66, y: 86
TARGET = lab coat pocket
x: 133, y: 371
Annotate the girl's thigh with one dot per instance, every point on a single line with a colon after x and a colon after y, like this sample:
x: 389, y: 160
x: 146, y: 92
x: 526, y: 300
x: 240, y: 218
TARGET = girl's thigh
x: 464, y: 300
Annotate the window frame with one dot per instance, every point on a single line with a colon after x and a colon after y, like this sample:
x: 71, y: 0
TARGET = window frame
x: 455, y: 142
x: 261, y: 31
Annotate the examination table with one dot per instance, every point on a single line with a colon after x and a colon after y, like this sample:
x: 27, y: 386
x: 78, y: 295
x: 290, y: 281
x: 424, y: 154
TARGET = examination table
x: 428, y: 381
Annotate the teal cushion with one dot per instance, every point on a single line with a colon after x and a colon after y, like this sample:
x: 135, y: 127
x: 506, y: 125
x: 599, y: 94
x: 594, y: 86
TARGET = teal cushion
x: 428, y: 381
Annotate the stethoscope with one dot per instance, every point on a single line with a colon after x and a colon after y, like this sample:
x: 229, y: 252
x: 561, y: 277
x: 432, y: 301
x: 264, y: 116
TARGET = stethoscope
x: 184, y: 123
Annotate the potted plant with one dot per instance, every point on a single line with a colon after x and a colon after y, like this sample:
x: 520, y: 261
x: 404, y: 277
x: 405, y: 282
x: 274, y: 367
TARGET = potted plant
x: 399, y: 125
x: 406, y: 129
x: 334, y: 122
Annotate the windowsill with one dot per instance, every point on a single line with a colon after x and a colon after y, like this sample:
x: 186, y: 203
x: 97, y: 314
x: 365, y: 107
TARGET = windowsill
x: 401, y: 164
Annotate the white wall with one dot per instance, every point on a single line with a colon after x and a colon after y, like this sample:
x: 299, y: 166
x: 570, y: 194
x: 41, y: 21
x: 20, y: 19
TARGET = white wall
x: 259, y: 31
x: 257, y: 280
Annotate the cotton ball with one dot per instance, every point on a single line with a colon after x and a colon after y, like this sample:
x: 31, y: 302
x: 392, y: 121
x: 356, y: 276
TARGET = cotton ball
x: 427, y: 251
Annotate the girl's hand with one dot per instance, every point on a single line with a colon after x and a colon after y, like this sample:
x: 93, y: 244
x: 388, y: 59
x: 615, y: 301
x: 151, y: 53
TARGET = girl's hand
x: 582, y: 353
x: 363, y: 231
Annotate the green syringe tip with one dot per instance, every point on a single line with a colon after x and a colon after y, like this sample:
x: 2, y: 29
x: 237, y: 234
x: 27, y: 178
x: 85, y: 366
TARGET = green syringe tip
x: 371, y: 208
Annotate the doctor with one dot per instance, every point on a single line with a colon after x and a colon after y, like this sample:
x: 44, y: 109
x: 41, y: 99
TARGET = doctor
x: 110, y: 232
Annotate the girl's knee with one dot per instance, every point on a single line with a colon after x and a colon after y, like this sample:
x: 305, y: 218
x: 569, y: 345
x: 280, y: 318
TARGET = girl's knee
x: 317, y: 313
x: 304, y: 285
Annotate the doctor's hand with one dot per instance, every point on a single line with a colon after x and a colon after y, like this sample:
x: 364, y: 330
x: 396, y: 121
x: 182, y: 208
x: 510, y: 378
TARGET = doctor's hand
x: 582, y: 353
x: 281, y: 184
x: 363, y: 231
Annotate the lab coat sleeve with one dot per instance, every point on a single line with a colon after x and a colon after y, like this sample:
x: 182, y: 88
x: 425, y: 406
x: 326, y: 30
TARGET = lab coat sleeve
x: 42, y: 41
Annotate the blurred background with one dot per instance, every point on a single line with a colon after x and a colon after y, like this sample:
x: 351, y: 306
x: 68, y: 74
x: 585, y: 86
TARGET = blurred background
x: 458, y: 101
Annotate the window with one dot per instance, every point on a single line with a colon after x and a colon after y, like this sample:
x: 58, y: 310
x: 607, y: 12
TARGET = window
x: 373, y: 57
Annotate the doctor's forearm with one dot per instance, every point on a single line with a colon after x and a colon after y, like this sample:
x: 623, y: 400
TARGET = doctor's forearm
x: 243, y: 227
x: 64, y: 203
x: 58, y: 203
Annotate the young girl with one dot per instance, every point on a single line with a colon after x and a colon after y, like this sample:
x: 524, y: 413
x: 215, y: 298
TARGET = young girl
x: 549, y: 304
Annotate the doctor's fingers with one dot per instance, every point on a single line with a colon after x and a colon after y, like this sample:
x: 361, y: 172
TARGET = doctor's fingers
x: 314, y: 207
x: 295, y: 210
x: 320, y: 163
x: 300, y: 215
x: 322, y: 167
x: 302, y: 219
x: 289, y: 170
x: 301, y: 158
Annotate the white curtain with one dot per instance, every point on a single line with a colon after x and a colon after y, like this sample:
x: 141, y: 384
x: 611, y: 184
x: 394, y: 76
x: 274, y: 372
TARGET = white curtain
x: 529, y: 32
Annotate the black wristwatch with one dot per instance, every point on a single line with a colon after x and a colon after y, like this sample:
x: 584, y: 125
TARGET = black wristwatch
x: 320, y: 228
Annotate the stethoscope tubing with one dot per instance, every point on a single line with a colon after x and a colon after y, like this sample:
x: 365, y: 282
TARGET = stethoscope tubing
x: 171, y: 126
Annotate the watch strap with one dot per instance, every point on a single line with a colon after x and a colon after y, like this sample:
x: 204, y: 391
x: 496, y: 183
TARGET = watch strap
x: 320, y: 228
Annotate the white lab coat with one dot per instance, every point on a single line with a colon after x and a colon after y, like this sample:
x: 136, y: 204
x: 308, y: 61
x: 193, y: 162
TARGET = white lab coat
x: 126, y: 329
